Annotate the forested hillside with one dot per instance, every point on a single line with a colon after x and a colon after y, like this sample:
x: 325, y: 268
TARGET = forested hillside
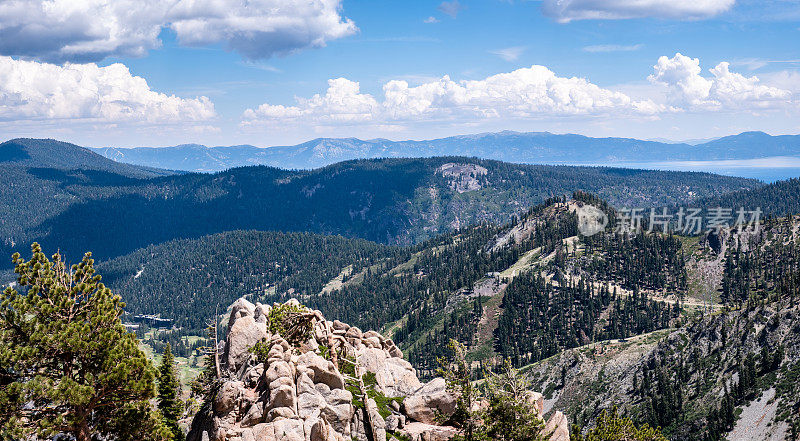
x: 187, y: 280
x: 423, y: 295
x: 42, y: 178
x: 780, y: 198
x: 52, y: 154
x: 732, y: 371
x: 395, y: 201
x: 523, y: 291
x: 562, y: 293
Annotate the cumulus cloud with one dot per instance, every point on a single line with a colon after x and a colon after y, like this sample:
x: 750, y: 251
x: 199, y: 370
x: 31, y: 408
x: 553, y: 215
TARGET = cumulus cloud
x: 509, y: 53
x: 689, y: 89
x: 568, y: 10
x: 677, y: 84
x: 343, y: 102
x: 524, y: 93
x: 31, y: 90
x: 79, y: 30
x: 90, y: 30
x: 259, y: 28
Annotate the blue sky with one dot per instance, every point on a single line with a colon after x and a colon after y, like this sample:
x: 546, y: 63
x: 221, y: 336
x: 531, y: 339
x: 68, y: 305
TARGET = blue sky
x: 219, y: 72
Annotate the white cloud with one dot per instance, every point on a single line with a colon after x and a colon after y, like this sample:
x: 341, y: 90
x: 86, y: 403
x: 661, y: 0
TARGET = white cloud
x: 724, y: 89
x: 676, y: 86
x: 79, y: 30
x: 509, y: 53
x: 91, y: 30
x: 451, y: 8
x: 343, y: 102
x: 567, y: 10
x: 259, y: 28
x: 682, y: 75
x: 612, y: 48
x: 533, y: 92
x: 431, y: 20
x: 31, y: 90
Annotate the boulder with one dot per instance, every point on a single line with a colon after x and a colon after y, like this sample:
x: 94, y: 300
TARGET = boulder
x: 395, y: 376
x: 372, y: 342
x: 279, y: 369
x: 288, y: 430
x: 253, y: 374
x: 320, y: 370
x: 339, y: 410
x: 377, y: 420
x: 283, y: 396
x: 353, y: 332
x: 261, y: 312
x: 394, y: 351
x: 339, y: 326
x: 225, y: 401
x: 309, y: 401
x: 394, y: 422
x: 319, y: 430
x: 240, y: 308
x: 429, y: 401
x: 417, y: 431
x: 243, y: 335
x: 254, y: 415
x: 280, y: 413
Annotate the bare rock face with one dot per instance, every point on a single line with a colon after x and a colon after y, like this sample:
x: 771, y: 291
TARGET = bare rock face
x: 243, y: 334
x: 558, y: 427
x: 299, y: 393
x: 430, y: 400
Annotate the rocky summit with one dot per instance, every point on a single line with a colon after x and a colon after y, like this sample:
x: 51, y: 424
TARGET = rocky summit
x: 314, y: 388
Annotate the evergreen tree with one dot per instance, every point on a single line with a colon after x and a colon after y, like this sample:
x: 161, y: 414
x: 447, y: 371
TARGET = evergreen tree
x: 457, y: 373
x: 169, y: 402
x: 610, y: 427
x: 67, y: 364
x: 511, y: 415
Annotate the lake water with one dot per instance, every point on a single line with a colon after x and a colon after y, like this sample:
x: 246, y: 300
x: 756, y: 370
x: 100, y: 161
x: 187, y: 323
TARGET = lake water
x: 765, y: 169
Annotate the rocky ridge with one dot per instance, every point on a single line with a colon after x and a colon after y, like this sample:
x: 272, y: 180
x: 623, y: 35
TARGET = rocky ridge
x: 314, y: 388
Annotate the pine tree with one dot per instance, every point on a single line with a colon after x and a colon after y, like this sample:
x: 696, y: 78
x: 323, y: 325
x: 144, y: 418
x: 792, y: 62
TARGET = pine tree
x: 67, y: 363
x: 610, y: 427
x: 458, y: 375
x: 169, y: 402
x: 511, y: 415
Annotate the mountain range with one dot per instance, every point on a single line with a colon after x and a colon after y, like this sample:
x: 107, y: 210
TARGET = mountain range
x: 87, y: 202
x: 508, y: 146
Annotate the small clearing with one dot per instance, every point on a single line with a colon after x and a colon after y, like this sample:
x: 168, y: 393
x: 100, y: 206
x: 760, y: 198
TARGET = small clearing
x: 337, y: 282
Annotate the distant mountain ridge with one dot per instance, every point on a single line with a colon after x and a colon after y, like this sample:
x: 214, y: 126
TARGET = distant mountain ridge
x: 60, y: 203
x: 52, y: 154
x: 508, y: 146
